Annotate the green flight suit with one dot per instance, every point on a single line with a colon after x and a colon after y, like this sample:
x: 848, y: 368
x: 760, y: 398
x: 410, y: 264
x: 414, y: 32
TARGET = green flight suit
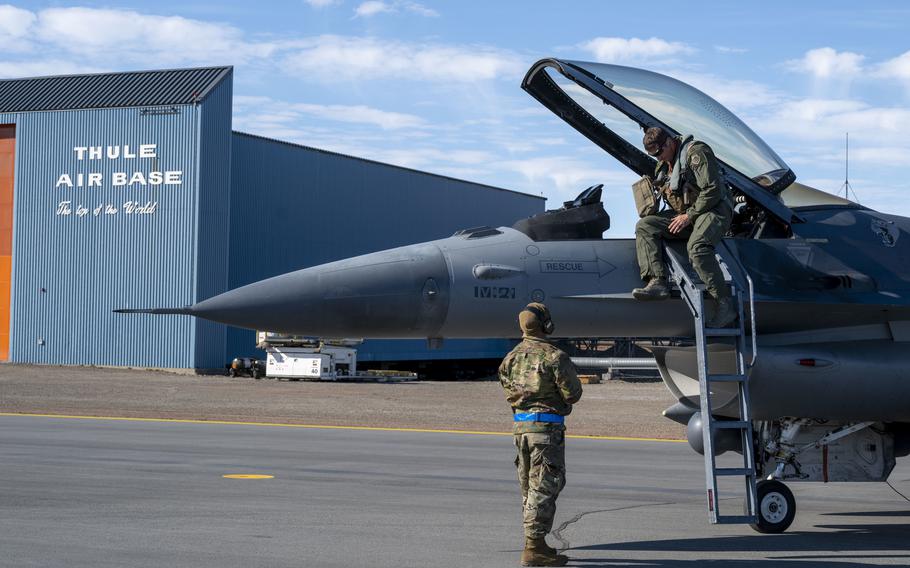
x: 710, y: 208
x: 539, y: 377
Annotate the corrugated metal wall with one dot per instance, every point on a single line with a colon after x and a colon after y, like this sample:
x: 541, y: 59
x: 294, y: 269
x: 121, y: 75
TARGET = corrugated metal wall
x: 80, y: 252
x: 213, y: 206
x: 294, y: 207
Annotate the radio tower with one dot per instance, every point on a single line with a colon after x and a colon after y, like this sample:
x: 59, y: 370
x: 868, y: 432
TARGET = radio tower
x: 847, y: 188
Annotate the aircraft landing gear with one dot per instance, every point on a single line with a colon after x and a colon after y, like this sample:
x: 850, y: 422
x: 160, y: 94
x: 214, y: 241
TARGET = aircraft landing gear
x: 776, y: 507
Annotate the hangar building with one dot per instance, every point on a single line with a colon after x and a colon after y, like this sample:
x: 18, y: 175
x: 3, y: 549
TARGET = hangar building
x: 131, y: 190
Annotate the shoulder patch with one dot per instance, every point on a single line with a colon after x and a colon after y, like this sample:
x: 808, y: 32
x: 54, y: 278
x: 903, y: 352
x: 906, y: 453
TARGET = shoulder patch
x: 695, y: 159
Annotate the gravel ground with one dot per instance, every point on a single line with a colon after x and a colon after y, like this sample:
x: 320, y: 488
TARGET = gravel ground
x: 614, y: 408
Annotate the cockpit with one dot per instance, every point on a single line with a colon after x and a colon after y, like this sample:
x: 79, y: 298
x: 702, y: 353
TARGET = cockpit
x: 612, y: 105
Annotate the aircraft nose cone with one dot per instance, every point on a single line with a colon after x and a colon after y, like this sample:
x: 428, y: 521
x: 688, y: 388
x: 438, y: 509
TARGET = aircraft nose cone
x: 399, y: 293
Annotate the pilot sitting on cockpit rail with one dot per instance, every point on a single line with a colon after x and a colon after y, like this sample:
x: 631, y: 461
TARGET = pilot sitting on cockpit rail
x: 700, y: 211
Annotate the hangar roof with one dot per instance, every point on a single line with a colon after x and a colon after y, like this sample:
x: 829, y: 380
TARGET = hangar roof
x: 110, y: 90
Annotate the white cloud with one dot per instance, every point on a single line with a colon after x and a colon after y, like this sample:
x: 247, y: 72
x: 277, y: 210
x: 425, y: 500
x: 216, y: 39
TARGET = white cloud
x: 813, y: 133
x: 118, y: 35
x: 19, y: 69
x: 569, y: 175
x: 727, y: 49
x: 111, y: 39
x: 825, y: 63
x: 350, y: 58
x: 360, y: 114
x: 267, y: 110
x: 821, y: 119
x: 15, y: 22
x: 622, y: 50
x: 373, y: 7
x: 897, y: 68
x: 420, y: 9
x: 733, y: 93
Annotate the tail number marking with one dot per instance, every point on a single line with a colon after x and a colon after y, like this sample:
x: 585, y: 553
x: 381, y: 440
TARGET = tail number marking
x: 494, y: 292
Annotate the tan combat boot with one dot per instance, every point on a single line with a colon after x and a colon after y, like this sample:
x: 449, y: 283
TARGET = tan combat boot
x: 657, y: 289
x: 538, y: 553
x: 725, y: 314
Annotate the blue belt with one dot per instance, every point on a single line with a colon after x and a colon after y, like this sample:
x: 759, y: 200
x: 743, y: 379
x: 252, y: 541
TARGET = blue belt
x: 538, y: 417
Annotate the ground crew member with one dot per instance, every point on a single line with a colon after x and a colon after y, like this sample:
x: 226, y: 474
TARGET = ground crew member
x: 541, y: 385
x: 701, y: 208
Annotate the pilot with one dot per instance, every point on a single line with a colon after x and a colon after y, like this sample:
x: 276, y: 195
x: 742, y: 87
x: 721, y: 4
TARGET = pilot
x: 541, y: 385
x: 700, y: 211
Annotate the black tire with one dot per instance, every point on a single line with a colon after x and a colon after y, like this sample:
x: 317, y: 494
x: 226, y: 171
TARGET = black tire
x: 255, y: 373
x: 776, y: 507
x: 232, y: 372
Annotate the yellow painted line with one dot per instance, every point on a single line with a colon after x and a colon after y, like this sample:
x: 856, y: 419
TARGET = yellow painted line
x: 324, y: 427
x: 247, y: 476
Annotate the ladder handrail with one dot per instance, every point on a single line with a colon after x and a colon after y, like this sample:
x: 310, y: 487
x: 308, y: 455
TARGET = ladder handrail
x: 742, y: 269
x: 694, y: 296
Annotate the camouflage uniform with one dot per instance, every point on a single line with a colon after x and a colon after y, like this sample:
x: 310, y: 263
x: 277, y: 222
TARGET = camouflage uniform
x: 710, y: 214
x: 538, y: 377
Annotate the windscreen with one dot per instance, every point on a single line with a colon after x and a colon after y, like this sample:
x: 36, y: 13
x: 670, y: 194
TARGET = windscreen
x: 688, y: 111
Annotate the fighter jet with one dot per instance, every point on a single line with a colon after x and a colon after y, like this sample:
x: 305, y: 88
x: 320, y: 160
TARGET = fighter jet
x: 830, y: 294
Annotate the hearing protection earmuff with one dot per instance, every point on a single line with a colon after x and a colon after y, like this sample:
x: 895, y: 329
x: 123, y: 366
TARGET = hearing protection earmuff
x: 543, y: 317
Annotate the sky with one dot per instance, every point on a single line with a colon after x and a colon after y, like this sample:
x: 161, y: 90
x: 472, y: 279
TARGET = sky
x: 435, y: 86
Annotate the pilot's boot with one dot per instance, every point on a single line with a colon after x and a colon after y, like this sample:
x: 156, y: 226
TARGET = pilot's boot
x: 725, y: 314
x: 657, y: 289
x: 538, y: 553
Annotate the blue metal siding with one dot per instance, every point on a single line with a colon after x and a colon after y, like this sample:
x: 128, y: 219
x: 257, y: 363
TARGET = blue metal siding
x: 69, y: 272
x: 213, y: 207
x: 294, y: 207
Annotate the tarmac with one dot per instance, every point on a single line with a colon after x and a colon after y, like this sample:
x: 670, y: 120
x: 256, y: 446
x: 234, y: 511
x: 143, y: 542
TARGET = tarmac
x: 131, y: 493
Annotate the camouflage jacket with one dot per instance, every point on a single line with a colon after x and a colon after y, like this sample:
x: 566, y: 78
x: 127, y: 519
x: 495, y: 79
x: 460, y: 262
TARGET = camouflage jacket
x: 539, y: 377
x: 702, y: 189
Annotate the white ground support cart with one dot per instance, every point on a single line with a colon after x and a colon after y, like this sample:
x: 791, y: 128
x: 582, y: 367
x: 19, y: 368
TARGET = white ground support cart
x: 295, y: 358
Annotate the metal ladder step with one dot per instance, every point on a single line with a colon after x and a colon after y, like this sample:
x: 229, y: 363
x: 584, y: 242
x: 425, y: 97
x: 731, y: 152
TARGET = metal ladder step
x: 731, y: 471
x: 722, y: 331
x: 731, y: 424
x: 727, y: 378
x: 693, y: 294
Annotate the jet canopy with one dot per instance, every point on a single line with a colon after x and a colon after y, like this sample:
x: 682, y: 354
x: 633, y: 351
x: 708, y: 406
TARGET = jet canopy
x: 612, y: 104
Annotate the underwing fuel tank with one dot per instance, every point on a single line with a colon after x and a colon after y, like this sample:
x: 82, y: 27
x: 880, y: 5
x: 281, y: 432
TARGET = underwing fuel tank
x: 845, y: 381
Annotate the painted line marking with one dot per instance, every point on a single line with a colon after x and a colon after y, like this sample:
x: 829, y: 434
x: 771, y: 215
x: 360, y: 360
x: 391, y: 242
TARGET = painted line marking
x: 325, y: 427
x: 247, y: 476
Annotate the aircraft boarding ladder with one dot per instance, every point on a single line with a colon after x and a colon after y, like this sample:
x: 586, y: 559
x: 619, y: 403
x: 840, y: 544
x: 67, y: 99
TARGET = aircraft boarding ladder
x: 693, y: 292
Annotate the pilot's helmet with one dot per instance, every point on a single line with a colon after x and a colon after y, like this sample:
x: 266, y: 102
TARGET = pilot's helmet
x: 654, y: 140
x: 536, y: 318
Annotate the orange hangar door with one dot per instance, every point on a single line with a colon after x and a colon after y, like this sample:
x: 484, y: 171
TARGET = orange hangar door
x: 7, y: 162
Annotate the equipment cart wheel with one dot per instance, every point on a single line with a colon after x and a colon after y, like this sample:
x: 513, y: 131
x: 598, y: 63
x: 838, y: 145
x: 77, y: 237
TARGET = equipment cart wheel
x: 255, y: 373
x: 776, y: 507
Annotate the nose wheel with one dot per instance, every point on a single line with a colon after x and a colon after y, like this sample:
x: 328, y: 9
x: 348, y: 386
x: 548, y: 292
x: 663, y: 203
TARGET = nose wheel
x: 776, y: 507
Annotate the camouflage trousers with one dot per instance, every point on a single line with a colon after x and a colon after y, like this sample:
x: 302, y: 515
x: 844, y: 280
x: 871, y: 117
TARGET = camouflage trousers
x: 701, y: 237
x: 541, y: 463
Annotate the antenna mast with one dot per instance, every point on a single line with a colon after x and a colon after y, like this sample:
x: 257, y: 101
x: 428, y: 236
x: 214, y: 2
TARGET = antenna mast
x: 846, y: 187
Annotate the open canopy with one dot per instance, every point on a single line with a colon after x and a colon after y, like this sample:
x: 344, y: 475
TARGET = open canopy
x: 612, y: 104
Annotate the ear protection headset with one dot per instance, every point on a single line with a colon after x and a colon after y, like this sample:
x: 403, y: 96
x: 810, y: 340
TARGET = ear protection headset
x: 542, y: 316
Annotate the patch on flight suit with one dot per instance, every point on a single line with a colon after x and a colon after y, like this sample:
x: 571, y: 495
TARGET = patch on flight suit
x: 696, y: 159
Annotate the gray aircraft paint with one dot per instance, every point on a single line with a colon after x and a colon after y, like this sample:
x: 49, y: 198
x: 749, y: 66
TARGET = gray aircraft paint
x: 837, y: 290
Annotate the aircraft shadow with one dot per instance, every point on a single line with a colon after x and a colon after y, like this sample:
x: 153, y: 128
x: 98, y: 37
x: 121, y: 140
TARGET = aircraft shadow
x: 844, y: 542
x: 819, y: 562
x: 869, y: 514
